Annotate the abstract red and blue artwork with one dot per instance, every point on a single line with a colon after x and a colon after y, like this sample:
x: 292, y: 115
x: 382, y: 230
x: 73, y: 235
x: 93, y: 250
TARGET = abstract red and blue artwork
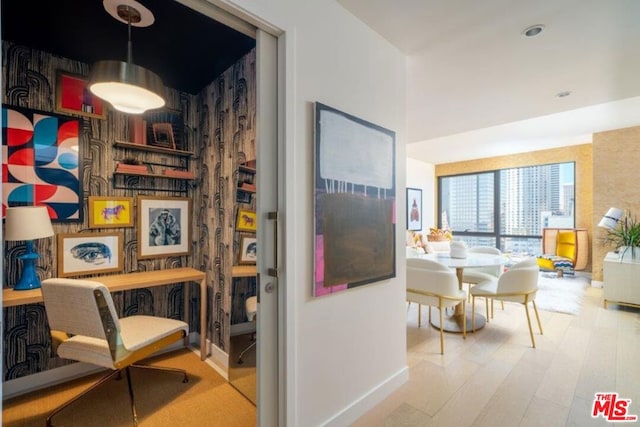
x: 355, y: 202
x: 40, y: 162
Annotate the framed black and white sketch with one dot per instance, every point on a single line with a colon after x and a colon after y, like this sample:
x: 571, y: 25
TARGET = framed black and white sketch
x: 414, y: 209
x: 163, y: 226
x: 248, y: 251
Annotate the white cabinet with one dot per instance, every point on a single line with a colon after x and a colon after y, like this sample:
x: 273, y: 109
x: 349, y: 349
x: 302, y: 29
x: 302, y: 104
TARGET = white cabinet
x: 621, y: 281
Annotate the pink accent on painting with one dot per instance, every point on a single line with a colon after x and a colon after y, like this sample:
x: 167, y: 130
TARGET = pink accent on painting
x: 319, y: 289
x: 393, y: 212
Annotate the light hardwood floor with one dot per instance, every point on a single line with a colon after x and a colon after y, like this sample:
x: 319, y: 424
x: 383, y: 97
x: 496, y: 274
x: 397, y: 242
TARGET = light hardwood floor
x: 495, y: 377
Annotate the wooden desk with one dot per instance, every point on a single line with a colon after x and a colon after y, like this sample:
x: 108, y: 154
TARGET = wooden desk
x: 123, y: 282
x: 243, y: 271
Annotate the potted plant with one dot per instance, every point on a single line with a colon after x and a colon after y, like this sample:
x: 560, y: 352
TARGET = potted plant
x: 625, y: 236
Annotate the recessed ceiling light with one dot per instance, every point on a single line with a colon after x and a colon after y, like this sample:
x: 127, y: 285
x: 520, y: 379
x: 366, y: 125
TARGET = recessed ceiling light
x: 533, y: 30
x: 563, y: 94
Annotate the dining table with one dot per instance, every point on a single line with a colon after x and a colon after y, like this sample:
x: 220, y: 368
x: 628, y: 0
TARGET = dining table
x: 454, y: 322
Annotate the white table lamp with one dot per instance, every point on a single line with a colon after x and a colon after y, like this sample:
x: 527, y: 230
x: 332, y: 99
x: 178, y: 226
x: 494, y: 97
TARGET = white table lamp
x: 28, y: 223
x: 611, y: 218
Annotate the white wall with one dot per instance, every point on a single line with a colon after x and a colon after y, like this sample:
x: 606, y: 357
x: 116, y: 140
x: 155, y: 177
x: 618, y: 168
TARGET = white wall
x: 422, y: 175
x: 346, y: 350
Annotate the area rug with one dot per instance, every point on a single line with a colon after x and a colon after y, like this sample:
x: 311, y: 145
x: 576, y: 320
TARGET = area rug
x: 563, y: 295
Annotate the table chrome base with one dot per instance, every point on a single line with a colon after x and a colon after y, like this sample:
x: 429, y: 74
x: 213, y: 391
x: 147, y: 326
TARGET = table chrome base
x: 453, y: 322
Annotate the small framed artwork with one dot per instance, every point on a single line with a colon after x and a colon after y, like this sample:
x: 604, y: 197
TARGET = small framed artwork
x: 248, y: 251
x: 246, y: 220
x: 110, y: 212
x: 73, y: 96
x: 81, y: 254
x: 163, y: 135
x: 414, y: 209
x: 163, y: 226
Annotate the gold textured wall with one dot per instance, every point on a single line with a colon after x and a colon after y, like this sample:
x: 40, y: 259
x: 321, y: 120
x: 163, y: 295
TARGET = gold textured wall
x: 616, y: 172
x: 582, y: 155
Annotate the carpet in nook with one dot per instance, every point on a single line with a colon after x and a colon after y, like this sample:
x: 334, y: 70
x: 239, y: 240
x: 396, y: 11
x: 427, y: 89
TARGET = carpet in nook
x: 563, y: 295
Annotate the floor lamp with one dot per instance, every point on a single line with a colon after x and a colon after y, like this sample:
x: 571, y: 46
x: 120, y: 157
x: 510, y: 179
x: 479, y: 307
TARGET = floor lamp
x: 611, y: 218
x: 27, y: 223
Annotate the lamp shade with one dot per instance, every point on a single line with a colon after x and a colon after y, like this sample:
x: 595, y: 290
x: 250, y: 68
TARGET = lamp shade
x: 611, y: 218
x: 27, y: 223
x: 126, y: 86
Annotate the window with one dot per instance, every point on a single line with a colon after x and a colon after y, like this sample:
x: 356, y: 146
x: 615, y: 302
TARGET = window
x: 508, y: 208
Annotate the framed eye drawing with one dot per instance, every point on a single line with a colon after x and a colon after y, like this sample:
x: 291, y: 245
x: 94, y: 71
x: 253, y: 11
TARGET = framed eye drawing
x: 81, y: 254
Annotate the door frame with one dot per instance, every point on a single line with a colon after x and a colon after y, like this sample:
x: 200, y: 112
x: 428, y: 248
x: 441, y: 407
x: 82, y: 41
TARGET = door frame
x: 276, y: 400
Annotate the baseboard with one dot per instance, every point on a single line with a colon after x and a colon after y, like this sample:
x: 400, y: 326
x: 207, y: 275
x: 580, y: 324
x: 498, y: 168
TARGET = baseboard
x: 365, y: 403
x: 51, y: 377
x: 218, y: 360
x: 243, y: 328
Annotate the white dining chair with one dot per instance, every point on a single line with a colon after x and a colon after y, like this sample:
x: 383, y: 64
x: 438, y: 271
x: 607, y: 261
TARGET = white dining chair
x: 518, y: 284
x: 436, y: 285
x: 474, y: 275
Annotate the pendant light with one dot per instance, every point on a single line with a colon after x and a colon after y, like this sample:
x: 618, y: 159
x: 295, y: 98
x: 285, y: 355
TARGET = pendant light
x: 127, y: 87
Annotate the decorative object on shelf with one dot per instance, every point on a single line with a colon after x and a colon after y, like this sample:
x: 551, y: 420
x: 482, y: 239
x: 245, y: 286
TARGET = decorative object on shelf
x: 355, y: 197
x: 163, y: 226
x: 138, y: 130
x: 110, y: 212
x: 178, y: 173
x: 128, y: 87
x: 246, y: 220
x: 73, y: 96
x: 27, y: 223
x: 54, y: 179
x: 163, y: 135
x: 624, y: 237
x: 82, y: 254
x: 414, y: 209
x: 126, y: 166
x: 248, y: 251
x: 611, y: 218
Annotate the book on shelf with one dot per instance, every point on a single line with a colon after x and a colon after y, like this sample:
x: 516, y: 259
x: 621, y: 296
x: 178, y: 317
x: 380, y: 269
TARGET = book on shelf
x: 138, y: 130
x: 126, y: 167
x: 248, y: 187
x: 178, y: 173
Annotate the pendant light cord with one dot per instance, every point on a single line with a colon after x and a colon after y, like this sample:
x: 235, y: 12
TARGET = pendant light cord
x: 129, y: 49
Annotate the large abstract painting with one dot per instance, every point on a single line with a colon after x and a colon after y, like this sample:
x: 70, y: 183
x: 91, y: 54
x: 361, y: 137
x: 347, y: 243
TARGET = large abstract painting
x: 354, y: 201
x: 40, y: 163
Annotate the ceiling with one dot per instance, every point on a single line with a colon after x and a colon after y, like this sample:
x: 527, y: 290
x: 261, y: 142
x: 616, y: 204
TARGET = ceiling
x: 476, y: 87
x: 185, y: 48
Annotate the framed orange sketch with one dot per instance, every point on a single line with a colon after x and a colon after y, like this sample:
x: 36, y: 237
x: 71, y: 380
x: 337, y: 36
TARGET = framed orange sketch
x: 110, y: 212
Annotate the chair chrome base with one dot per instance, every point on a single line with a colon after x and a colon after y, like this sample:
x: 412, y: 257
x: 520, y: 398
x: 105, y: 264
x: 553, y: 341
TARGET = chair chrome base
x: 107, y: 378
x: 249, y: 347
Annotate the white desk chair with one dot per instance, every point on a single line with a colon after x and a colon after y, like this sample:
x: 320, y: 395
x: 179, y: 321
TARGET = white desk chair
x: 251, y: 308
x: 85, y: 327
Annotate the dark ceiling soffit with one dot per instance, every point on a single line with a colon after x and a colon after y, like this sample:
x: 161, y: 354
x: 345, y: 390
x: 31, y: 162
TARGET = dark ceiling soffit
x: 187, y: 56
